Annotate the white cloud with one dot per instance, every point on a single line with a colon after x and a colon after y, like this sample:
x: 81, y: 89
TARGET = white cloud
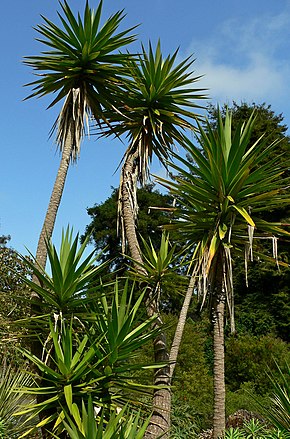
x: 256, y: 81
x: 248, y: 60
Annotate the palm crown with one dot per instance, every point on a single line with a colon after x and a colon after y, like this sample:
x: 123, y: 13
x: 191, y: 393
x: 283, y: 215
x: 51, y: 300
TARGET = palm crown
x: 81, y: 66
x: 155, y: 103
x: 222, y: 189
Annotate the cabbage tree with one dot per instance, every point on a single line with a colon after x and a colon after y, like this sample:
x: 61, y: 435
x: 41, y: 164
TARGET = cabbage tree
x: 81, y: 67
x: 221, y: 188
x: 158, y: 102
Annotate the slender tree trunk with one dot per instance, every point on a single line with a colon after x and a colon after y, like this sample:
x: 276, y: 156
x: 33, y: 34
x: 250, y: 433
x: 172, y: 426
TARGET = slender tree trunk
x: 180, y: 326
x: 54, y: 203
x: 128, y: 207
x: 160, y: 420
x: 218, y: 311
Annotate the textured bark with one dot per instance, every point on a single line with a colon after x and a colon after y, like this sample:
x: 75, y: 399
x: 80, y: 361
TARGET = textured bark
x: 54, y: 202
x: 161, y: 417
x: 180, y: 327
x: 127, y: 210
x: 160, y: 420
x: 218, y: 311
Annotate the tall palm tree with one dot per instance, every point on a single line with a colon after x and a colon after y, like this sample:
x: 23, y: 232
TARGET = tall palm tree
x: 157, y: 104
x: 82, y: 68
x: 222, y: 191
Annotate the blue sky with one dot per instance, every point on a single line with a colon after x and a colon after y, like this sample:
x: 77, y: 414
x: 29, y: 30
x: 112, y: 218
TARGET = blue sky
x: 241, y: 47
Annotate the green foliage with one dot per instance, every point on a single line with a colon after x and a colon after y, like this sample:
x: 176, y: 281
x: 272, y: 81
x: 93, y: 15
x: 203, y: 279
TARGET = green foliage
x: 234, y: 433
x: 98, y: 362
x: 83, y: 65
x: 267, y: 124
x: 254, y: 429
x: 185, y: 422
x: 158, y: 263
x: 248, y: 357
x: 192, y: 383
x: 14, y: 302
x: 11, y: 399
x: 156, y: 104
x: 119, y: 426
x: 91, y: 346
x: 242, y: 398
x: 247, y: 360
x: 263, y: 307
x: 66, y: 288
x: 216, y: 189
x: 279, y: 410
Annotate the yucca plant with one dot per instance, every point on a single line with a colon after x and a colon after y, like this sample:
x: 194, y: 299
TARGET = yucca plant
x: 277, y: 434
x: 11, y: 399
x: 83, y: 66
x: 87, y: 425
x: 124, y: 332
x: 72, y: 274
x: 83, y: 318
x: 254, y: 429
x: 221, y: 190
x: 72, y: 357
x: 97, y: 359
x: 158, y: 263
x: 234, y: 433
x: 278, y: 412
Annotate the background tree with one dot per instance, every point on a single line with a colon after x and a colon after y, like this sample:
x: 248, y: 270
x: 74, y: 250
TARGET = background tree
x: 4, y: 239
x: 14, y: 302
x: 102, y: 230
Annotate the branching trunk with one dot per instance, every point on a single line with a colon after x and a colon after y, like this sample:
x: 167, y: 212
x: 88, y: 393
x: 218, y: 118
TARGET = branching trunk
x: 218, y: 311
x: 160, y: 420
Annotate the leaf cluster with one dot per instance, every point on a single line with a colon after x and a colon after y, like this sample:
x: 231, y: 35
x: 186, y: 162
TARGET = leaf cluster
x: 90, y: 347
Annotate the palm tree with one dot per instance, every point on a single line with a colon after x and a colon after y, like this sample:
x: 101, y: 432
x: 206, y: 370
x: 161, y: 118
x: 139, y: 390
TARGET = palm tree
x: 156, y: 106
x: 222, y: 187
x: 83, y: 68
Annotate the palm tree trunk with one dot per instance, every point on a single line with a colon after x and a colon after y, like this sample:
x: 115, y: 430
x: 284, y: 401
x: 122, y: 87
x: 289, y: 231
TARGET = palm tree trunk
x: 54, y: 202
x: 47, y: 229
x: 128, y: 207
x: 160, y: 420
x: 180, y: 326
x: 218, y: 311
